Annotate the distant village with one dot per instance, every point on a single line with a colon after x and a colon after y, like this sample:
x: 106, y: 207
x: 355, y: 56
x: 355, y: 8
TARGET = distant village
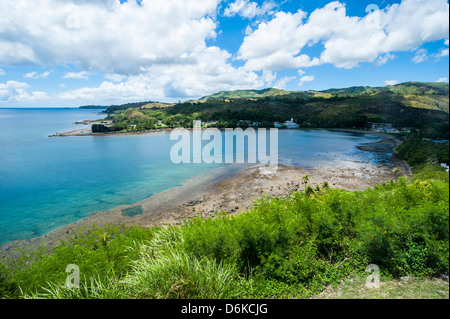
x: 104, y: 126
x: 286, y: 124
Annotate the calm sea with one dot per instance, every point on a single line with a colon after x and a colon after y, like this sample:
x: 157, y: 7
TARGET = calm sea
x: 48, y: 182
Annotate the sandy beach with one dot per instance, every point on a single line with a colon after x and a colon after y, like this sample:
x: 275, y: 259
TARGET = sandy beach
x: 232, y: 189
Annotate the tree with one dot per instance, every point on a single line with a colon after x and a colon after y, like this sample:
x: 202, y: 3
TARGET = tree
x: 305, y: 180
x: 395, y: 170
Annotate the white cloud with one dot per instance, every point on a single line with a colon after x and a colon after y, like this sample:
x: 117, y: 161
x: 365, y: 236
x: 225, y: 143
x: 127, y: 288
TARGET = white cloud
x: 248, y: 30
x: 83, y: 75
x: 442, y: 79
x: 2, y: 72
x: 36, y: 76
x: 282, y: 83
x: 111, y: 37
x: 155, y: 50
x: 269, y: 77
x: 383, y: 59
x: 305, y: 79
x: 347, y: 40
x: 115, y: 77
x: 442, y: 53
x: 390, y: 82
x: 14, y: 91
x: 421, y: 56
x: 210, y: 74
x: 249, y: 9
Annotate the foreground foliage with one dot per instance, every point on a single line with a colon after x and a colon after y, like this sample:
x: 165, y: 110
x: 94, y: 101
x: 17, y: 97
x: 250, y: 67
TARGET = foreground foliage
x: 291, y: 247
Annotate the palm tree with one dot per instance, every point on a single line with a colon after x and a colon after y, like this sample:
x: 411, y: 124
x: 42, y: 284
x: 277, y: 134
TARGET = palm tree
x: 305, y: 180
x: 395, y: 170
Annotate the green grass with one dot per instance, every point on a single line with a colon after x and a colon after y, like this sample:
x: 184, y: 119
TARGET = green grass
x: 406, y: 288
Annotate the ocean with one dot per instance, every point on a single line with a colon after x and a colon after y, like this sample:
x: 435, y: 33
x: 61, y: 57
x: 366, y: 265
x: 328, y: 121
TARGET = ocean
x: 47, y: 182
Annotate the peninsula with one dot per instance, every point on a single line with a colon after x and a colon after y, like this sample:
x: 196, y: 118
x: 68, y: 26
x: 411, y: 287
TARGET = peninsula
x: 394, y: 109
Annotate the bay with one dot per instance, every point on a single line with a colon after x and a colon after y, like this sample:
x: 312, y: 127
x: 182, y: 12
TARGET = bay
x: 48, y: 182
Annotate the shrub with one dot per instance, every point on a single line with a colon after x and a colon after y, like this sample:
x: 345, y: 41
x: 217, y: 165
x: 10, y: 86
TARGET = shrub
x: 99, y: 252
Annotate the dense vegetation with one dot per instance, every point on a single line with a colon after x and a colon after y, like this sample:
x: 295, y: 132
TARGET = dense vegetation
x: 410, y: 104
x: 426, y: 147
x: 283, y: 247
x: 94, y: 107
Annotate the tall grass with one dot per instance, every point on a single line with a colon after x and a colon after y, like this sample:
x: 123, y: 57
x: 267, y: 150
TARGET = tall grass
x: 165, y: 271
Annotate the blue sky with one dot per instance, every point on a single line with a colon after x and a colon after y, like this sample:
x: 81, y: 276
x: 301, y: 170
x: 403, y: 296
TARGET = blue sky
x: 72, y: 53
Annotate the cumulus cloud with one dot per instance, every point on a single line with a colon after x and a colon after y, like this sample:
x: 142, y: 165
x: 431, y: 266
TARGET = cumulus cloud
x: 269, y: 77
x: 347, y: 40
x: 442, y: 53
x: 115, y: 77
x: 421, y: 55
x: 109, y: 36
x: 83, y: 75
x: 443, y: 79
x: 282, y: 83
x: 305, y: 79
x: 210, y: 74
x: 390, y: 82
x: 14, y: 91
x: 249, y: 9
x: 383, y: 59
x: 36, y: 76
x: 149, y: 49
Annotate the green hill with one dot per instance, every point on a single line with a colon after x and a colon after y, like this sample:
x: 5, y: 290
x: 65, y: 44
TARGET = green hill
x: 426, y: 95
x: 93, y: 107
x: 417, y: 88
x: 356, y: 90
x: 245, y: 94
x: 411, y: 104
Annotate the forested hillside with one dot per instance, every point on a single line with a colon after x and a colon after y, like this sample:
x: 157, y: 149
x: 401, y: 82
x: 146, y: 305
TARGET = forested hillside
x: 412, y: 104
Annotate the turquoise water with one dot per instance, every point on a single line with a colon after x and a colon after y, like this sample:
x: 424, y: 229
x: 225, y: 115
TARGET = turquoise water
x: 49, y: 182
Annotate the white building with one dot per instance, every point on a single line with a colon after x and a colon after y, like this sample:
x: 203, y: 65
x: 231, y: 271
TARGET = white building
x: 288, y: 124
x: 291, y: 124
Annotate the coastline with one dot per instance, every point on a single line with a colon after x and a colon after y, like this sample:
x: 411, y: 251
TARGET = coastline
x: 88, y: 132
x: 232, y: 188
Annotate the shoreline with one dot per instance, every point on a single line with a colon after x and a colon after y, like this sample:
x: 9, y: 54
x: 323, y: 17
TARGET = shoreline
x: 88, y: 132
x: 232, y: 188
